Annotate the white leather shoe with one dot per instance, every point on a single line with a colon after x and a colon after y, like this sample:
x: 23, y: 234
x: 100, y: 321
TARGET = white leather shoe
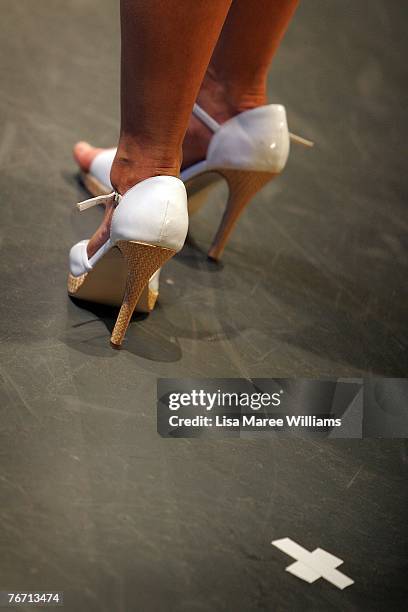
x: 247, y: 151
x: 149, y: 225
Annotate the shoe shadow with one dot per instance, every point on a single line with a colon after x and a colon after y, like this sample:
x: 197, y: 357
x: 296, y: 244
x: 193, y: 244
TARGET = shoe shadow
x: 153, y: 337
x: 148, y: 343
x: 195, y: 257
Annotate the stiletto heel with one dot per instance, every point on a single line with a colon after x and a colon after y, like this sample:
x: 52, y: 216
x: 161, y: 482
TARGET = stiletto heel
x: 142, y: 261
x: 148, y: 226
x: 248, y: 151
x: 108, y: 285
x: 242, y: 187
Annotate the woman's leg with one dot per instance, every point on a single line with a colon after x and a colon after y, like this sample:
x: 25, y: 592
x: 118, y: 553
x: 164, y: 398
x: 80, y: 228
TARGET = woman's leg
x: 236, y: 78
x: 166, y: 48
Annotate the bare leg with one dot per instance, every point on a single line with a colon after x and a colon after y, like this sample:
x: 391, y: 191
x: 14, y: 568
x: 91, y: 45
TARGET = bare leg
x: 235, y: 80
x: 166, y: 48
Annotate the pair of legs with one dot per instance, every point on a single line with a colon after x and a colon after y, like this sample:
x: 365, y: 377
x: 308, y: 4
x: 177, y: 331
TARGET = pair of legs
x: 175, y: 52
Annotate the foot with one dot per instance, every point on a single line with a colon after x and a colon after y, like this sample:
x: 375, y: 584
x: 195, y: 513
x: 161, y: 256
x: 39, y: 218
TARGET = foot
x: 213, y: 98
x: 84, y: 154
x: 102, y: 234
x: 127, y: 171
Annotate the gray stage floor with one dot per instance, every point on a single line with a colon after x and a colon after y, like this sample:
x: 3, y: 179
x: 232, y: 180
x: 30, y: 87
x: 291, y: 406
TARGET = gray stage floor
x: 312, y: 284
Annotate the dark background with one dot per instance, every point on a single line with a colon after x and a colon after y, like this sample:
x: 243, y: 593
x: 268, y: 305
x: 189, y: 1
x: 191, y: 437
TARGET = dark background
x: 313, y: 283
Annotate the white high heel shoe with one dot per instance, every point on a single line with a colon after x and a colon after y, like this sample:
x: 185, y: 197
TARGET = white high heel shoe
x: 247, y: 151
x: 149, y: 225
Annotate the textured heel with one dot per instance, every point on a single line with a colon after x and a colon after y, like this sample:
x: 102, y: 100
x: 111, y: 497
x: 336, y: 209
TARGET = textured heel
x: 243, y: 185
x: 142, y: 261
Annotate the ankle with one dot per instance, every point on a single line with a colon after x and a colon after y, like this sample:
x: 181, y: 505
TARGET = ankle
x: 223, y: 98
x: 133, y: 164
x: 221, y: 102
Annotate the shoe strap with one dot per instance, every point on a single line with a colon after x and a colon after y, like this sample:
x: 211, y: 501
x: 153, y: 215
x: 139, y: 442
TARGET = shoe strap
x: 103, y: 199
x: 305, y: 142
x: 200, y: 113
x: 214, y: 126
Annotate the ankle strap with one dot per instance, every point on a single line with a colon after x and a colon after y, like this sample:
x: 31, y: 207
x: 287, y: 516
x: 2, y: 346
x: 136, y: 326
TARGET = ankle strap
x: 200, y: 113
x: 102, y: 199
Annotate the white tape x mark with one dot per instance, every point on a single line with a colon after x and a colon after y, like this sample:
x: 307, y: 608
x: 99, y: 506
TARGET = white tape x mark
x: 310, y: 566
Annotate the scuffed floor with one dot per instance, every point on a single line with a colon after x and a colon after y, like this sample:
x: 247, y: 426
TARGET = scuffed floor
x: 313, y: 283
